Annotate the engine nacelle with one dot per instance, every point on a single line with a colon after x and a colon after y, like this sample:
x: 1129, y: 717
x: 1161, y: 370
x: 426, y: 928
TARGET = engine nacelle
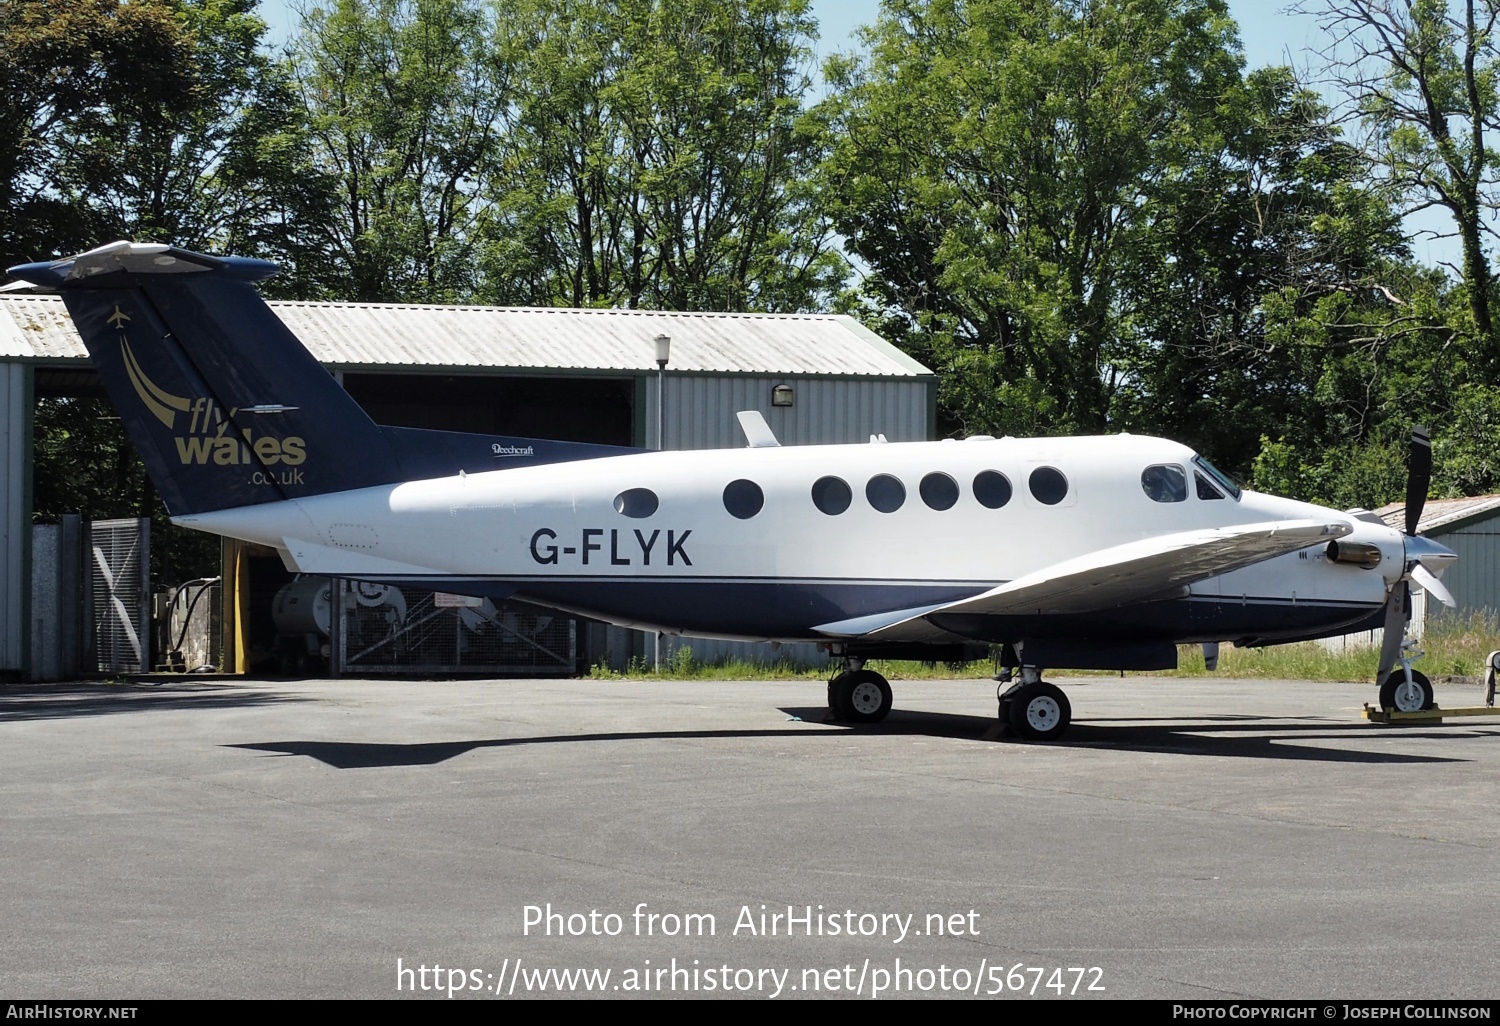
x: 1361, y: 554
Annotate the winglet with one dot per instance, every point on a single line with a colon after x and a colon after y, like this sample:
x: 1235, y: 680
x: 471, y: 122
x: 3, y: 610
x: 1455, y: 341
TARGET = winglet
x: 758, y: 434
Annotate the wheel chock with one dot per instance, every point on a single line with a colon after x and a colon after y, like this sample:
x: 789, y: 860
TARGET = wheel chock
x: 1427, y: 716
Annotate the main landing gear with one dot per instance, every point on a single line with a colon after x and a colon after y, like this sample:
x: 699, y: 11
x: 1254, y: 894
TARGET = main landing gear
x: 1031, y: 708
x: 858, y: 695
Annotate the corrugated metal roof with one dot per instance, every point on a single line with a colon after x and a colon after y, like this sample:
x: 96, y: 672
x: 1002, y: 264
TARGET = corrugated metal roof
x: 37, y: 326
x: 392, y: 335
x: 1440, y: 513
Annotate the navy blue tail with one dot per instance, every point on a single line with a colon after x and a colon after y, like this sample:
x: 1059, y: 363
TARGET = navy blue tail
x: 225, y: 404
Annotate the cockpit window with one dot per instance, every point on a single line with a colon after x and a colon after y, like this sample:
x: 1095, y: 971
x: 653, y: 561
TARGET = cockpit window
x: 1164, y: 482
x: 1205, y: 490
x: 1223, y: 480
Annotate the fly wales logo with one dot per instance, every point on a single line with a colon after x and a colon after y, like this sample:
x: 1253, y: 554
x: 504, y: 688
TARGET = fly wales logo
x: 204, y: 431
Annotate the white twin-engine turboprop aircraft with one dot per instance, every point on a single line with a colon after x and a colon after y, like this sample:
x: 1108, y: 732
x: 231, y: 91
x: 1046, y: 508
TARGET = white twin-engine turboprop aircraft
x: 1093, y: 553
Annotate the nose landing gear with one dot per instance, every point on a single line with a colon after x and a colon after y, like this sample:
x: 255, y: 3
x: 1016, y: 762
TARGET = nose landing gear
x: 1406, y: 690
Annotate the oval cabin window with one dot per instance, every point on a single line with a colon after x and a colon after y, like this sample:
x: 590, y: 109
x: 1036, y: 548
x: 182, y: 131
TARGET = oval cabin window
x: 636, y: 503
x: 743, y: 499
x: 939, y: 491
x: 1048, y: 485
x: 992, y: 488
x: 885, y: 493
x: 831, y: 495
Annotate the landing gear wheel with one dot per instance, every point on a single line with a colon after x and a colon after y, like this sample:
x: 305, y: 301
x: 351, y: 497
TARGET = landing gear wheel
x: 1397, y: 695
x: 838, y: 699
x: 862, y: 696
x: 1039, y: 712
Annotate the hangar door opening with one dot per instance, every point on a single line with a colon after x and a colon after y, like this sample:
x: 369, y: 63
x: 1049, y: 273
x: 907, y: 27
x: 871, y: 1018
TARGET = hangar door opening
x: 573, y: 409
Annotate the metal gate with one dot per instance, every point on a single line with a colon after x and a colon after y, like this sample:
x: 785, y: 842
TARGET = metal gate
x: 385, y: 629
x: 122, y: 598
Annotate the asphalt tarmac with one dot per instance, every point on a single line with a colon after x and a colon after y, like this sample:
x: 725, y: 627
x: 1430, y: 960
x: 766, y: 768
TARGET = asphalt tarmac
x: 1187, y: 839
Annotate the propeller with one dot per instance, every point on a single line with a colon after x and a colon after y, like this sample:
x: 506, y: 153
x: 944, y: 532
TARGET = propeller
x: 1418, y: 477
x: 1398, y: 604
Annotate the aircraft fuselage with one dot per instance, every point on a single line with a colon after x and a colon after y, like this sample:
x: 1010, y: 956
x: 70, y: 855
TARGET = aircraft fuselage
x: 922, y: 523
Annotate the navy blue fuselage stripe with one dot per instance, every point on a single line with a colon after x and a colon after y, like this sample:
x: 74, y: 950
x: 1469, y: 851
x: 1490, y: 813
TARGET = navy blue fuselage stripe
x: 791, y: 609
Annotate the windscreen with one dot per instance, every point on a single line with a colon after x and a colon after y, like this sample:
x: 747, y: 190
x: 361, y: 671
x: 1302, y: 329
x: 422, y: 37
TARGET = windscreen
x: 1225, y: 481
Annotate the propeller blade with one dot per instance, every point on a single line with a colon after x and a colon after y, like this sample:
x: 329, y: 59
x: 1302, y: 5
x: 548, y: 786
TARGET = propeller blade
x: 1395, y: 630
x: 1432, y: 585
x: 1418, y: 476
x: 17, y: 286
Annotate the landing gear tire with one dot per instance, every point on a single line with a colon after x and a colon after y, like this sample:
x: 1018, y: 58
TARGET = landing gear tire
x: 1397, y: 696
x: 860, y: 696
x: 838, y: 699
x: 1039, y: 712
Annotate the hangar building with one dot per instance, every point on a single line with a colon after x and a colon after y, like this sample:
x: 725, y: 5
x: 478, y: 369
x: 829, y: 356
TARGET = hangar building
x: 569, y: 374
x: 1471, y: 528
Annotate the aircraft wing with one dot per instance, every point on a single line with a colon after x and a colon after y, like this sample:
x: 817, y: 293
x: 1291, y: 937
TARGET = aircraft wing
x: 1116, y: 576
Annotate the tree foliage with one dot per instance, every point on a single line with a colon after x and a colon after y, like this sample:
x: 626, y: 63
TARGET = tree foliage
x: 1422, y: 73
x: 406, y: 101
x: 660, y: 158
x: 66, y: 66
x: 1000, y: 167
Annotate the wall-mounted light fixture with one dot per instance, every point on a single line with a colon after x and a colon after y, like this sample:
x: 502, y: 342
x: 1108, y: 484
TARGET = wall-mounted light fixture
x: 781, y: 395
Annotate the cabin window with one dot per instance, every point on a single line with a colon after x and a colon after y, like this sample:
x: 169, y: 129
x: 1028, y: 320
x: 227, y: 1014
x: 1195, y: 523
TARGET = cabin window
x: 636, y: 503
x: 1206, y: 490
x: 939, y: 491
x: 1048, y: 485
x: 743, y: 499
x: 885, y: 493
x: 831, y: 495
x: 1166, y: 482
x: 992, y: 488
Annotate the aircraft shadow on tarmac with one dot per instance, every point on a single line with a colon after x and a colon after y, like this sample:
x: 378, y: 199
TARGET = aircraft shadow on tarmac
x: 63, y: 701
x: 1259, y: 738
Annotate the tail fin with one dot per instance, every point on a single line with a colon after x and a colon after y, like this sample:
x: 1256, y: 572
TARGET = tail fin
x: 224, y: 403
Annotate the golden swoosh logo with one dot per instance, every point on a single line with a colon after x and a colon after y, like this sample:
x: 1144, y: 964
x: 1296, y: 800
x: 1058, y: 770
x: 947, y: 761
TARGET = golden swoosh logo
x: 159, y: 401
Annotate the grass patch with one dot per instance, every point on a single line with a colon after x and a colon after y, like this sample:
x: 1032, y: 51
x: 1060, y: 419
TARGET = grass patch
x: 1456, y: 645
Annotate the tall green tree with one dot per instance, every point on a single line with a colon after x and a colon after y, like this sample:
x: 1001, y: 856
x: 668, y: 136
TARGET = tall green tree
x: 1275, y: 295
x: 406, y: 100
x: 226, y: 169
x: 660, y: 158
x: 65, y: 67
x: 1422, y: 73
x: 997, y: 166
